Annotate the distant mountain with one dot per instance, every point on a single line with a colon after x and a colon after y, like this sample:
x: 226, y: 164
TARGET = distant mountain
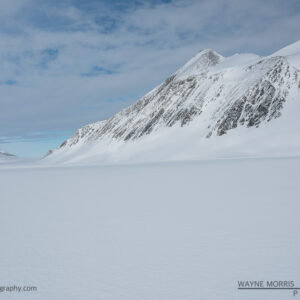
x: 209, y: 97
x: 6, y: 157
x: 3, y: 153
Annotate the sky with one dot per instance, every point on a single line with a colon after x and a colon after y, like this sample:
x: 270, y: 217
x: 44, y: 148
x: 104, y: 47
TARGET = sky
x: 68, y: 63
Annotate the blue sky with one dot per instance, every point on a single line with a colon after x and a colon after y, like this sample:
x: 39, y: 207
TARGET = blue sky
x: 68, y: 63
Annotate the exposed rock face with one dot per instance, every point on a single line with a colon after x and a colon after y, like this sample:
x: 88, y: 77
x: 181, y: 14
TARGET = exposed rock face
x: 219, y: 97
x: 261, y: 102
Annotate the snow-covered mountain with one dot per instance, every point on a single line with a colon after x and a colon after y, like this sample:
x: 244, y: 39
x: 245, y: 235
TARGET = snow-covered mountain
x: 5, y: 153
x: 189, y: 114
x: 4, y: 156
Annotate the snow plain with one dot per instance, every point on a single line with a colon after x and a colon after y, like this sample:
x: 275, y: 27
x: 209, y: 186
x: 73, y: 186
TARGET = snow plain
x: 177, y: 230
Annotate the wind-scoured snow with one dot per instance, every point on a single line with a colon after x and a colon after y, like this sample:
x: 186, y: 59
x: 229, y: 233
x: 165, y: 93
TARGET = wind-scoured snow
x: 176, y: 231
x: 213, y: 106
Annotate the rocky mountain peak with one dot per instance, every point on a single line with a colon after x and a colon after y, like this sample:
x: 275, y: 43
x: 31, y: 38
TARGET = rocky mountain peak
x: 200, y: 63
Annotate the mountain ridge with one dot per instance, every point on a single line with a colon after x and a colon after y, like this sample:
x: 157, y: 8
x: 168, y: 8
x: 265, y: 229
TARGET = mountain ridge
x: 218, y: 93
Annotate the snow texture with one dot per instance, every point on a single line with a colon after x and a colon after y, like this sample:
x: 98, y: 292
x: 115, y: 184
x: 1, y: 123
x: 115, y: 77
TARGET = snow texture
x: 160, y: 231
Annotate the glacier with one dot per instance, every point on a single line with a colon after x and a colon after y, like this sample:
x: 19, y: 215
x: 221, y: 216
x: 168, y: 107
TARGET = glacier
x: 172, y: 231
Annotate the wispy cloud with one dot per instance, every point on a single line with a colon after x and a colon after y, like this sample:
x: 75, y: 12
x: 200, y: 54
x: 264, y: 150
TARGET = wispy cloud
x: 96, y: 71
x: 33, y: 143
x: 34, y: 136
x: 48, y: 55
x: 8, y: 82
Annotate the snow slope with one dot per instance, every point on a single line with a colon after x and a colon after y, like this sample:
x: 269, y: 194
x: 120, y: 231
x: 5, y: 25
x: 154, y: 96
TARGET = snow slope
x: 162, y: 231
x: 292, y: 53
x: 214, y: 105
